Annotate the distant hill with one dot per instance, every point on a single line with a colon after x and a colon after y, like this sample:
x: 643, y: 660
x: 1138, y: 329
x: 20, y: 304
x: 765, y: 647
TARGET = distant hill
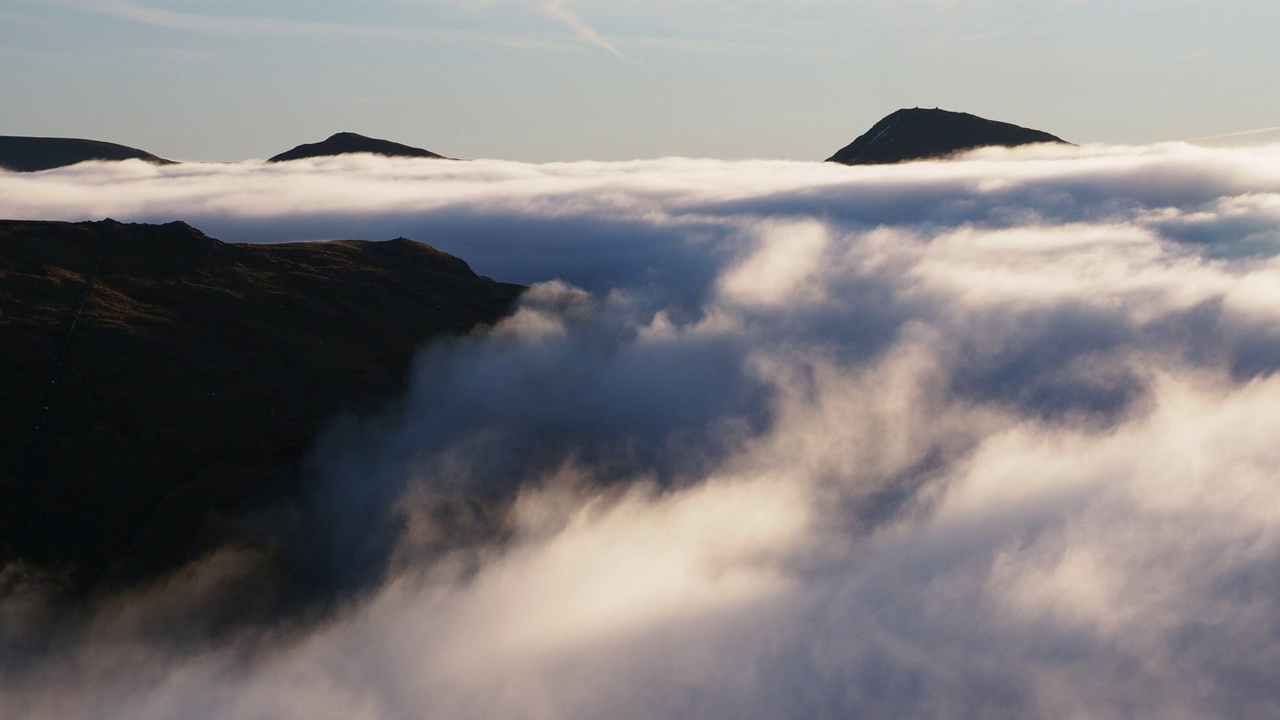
x: 918, y: 134
x: 157, y: 381
x: 346, y: 142
x: 32, y: 154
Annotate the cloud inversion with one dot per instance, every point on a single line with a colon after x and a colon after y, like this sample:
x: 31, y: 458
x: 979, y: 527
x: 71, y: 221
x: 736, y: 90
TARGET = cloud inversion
x: 988, y: 438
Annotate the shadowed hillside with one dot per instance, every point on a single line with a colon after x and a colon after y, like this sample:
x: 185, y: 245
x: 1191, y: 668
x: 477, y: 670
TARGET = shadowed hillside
x: 31, y: 154
x: 158, y: 381
x: 918, y: 134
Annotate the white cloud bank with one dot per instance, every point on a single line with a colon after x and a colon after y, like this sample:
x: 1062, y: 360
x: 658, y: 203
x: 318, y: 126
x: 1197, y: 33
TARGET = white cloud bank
x: 992, y: 438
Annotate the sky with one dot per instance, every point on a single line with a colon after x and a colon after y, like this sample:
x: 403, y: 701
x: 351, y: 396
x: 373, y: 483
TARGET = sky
x: 563, y: 80
x: 991, y: 437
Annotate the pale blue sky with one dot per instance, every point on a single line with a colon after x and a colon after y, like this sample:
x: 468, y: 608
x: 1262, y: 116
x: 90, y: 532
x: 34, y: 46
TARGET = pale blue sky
x: 544, y: 80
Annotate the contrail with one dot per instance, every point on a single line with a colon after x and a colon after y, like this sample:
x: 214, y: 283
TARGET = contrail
x: 1258, y: 131
x: 557, y: 10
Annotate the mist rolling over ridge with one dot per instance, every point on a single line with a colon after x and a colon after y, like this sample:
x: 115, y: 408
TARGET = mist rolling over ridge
x: 992, y: 437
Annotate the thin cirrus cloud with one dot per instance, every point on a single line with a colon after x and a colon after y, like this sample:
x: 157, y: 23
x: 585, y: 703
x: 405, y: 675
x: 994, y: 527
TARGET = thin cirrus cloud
x: 558, y: 10
x: 1238, y: 133
x: 985, y: 438
x: 623, y: 28
x: 691, y: 27
x: 216, y: 24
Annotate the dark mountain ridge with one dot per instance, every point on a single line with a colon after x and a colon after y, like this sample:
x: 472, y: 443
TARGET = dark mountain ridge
x: 158, y: 382
x: 920, y: 134
x: 344, y: 143
x: 32, y: 154
x: 901, y: 136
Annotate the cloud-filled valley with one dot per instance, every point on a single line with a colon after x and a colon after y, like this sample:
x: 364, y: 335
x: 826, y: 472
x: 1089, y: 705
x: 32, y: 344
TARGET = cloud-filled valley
x: 982, y: 438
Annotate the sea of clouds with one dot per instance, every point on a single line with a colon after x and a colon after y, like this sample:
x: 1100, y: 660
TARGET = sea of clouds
x: 996, y: 438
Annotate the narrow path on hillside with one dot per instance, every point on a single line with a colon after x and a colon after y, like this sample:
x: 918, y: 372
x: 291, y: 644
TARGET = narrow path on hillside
x: 37, y: 444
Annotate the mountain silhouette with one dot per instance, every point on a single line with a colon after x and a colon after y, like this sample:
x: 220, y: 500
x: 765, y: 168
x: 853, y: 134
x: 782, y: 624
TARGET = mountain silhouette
x: 158, y: 382
x: 919, y: 134
x: 32, y: 154
x: 347, y: 142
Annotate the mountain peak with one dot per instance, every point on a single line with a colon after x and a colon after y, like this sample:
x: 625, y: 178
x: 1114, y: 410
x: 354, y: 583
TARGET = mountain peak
x: 920, y: 133
x: 32, y: 154
x: 344, y: 143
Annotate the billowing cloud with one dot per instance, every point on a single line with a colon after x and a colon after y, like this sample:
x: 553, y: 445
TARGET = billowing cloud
x: 987, y: 438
